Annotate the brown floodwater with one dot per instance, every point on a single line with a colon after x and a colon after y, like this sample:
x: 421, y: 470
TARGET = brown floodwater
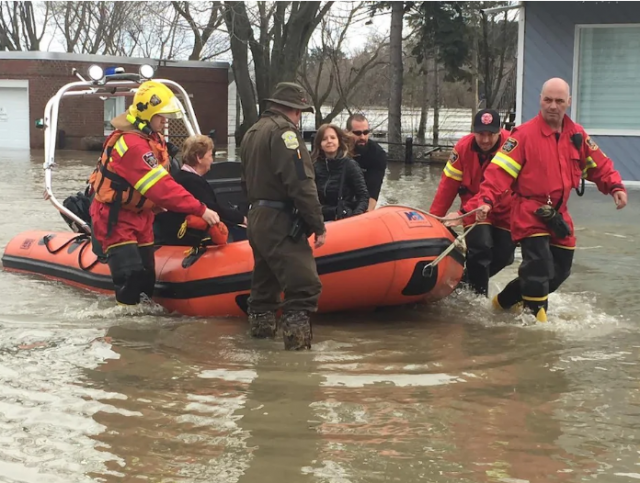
x: 447, y: 393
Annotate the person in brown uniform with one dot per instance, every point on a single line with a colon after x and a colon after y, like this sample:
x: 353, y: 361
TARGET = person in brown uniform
x: 279, y: 182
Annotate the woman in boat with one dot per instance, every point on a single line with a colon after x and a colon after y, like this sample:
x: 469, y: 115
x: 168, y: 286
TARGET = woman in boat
x: 175, y: 228
x: 341, y: 186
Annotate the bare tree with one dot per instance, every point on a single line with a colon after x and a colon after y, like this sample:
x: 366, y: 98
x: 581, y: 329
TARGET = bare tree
x: 284, y: 30
x: 19, y: 26
x: 326, y: 71
x: 496, y: 54
x: 237, y: 21
x: 95, y: 27
x: 161, y: 36
x: 395, y: 88
x: 201, y: 34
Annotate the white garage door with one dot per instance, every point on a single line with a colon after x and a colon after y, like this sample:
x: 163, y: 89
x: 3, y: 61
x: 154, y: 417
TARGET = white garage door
x: 14, y: 114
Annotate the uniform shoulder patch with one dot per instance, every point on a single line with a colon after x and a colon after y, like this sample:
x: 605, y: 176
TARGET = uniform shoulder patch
x: 150, y: 159
x: 591, y: 143
x: 290, y: 140
x: 509, y: 145
x: 454, y: 156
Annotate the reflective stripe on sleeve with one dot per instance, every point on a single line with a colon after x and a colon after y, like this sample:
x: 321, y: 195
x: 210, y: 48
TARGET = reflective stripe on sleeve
x: 507, y: 163
x: 151, y: 178
x: 452, y: 172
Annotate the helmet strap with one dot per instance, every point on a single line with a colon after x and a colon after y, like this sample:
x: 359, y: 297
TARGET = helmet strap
x: 139, y: 124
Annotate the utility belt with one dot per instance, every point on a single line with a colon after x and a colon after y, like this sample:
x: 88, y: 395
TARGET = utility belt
x: 551, y: 216
x: 298, y: 226
x: 276, y: 205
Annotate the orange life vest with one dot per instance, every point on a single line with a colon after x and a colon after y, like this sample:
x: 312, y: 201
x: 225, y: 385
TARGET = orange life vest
x: 111, y: 188
x: 115, y: 191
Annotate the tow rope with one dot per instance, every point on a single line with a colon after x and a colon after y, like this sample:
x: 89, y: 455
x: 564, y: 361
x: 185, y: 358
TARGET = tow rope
x: 459, y: 241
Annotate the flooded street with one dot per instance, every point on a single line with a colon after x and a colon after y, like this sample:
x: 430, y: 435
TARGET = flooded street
x: 448, y: 393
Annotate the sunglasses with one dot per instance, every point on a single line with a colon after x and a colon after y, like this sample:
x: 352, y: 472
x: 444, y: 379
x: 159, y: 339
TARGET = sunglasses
x: 360, y: 133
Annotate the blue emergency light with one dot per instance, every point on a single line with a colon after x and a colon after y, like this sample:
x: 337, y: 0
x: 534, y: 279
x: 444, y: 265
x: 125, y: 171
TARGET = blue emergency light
x: 113, y: 70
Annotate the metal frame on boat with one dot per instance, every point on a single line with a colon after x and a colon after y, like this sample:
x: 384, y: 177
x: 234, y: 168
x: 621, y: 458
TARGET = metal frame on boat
x: 113, y: 83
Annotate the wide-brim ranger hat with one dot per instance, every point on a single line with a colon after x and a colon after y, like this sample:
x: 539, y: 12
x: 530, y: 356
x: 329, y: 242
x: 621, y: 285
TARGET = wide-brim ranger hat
x: 291, y: 95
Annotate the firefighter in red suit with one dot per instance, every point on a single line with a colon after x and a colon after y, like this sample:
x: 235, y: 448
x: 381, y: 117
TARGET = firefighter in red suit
x: 489, y: 244
x: 542, y: 161
x: 130, y: 184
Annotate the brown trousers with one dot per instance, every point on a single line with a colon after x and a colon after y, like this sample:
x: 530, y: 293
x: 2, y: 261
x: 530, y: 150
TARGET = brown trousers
x: 280, y: 265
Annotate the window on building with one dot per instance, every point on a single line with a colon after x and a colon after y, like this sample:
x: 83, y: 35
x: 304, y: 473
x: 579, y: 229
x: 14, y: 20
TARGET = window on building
x: 113, y: 107
x: 607, y: 79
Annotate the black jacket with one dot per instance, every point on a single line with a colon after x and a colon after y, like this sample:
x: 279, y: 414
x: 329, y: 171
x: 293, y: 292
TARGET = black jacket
x: 373, y: 162
x: 167, y: 224
x: 354, y: 190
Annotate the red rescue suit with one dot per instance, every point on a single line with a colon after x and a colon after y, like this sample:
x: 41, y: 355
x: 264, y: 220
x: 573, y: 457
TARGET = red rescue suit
x: 133, y: 159
x: 541, y: 169
x: 462, y: 176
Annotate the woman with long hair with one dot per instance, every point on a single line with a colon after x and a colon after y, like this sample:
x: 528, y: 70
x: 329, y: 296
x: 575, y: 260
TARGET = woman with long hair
x: 341, y: 187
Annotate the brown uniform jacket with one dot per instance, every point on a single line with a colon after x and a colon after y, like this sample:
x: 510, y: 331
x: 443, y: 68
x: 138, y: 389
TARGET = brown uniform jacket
x: 277, y: 166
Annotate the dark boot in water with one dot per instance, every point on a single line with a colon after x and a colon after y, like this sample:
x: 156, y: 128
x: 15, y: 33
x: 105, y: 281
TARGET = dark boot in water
x: 296, y: 330
x: 263, y: 325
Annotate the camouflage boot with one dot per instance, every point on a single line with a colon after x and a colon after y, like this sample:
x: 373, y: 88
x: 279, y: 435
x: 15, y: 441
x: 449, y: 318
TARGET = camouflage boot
x: 296, y: 330
x: 263, y: 325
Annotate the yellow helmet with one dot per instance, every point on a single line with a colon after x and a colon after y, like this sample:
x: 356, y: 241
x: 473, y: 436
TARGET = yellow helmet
x: 154, y: 98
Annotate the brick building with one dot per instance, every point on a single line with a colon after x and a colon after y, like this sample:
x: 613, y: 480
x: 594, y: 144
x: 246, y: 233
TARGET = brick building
x: 29, y: 79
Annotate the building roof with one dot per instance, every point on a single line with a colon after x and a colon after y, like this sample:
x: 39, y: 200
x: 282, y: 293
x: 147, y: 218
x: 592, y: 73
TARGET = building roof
x: 64, y: 56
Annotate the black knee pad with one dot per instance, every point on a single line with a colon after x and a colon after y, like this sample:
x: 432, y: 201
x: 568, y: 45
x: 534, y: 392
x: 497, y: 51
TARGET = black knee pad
x: 127, y: 273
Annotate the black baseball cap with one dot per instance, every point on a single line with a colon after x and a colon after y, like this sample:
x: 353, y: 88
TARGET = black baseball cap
x: 486, y: 120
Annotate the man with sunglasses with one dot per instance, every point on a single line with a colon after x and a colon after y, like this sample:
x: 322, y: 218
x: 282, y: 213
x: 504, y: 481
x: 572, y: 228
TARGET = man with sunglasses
x: 369, y: 155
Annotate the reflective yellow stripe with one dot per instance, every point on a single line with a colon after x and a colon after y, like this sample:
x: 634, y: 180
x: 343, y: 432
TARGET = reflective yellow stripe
x: 151, y: 178
x: 535, y: 299
x: 590, y: 164
x: 121, y: 147
x: 507, y: 163
x: 452, y: 172
x: 119, y: 244
x: 562, y: 246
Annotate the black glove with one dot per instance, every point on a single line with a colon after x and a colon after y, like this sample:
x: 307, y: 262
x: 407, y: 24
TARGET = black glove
x: 554, y: 220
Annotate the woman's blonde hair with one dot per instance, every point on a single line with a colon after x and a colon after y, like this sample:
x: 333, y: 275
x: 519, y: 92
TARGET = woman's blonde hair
x: 345, y: 141
x: 194, y: 147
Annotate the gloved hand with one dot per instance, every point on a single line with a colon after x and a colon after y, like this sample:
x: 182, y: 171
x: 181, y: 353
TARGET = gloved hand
x: 219, y: 232
x: 554, y: 220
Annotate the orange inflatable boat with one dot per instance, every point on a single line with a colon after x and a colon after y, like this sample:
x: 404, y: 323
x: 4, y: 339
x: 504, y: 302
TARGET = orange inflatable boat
x: 371, y: 260
x: 393, y: 255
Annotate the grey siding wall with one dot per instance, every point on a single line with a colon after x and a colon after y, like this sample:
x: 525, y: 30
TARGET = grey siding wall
x: 548, y: 52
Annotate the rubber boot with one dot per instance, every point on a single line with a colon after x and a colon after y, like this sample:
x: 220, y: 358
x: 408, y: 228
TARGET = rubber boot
x: 263, y: 325
x: 537, y: 308
x: 515, y: 308
x: 296, y: 330
x: 541, y: 316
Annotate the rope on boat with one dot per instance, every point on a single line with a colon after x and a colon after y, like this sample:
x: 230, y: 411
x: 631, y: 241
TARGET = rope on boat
x: 459, y: 241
